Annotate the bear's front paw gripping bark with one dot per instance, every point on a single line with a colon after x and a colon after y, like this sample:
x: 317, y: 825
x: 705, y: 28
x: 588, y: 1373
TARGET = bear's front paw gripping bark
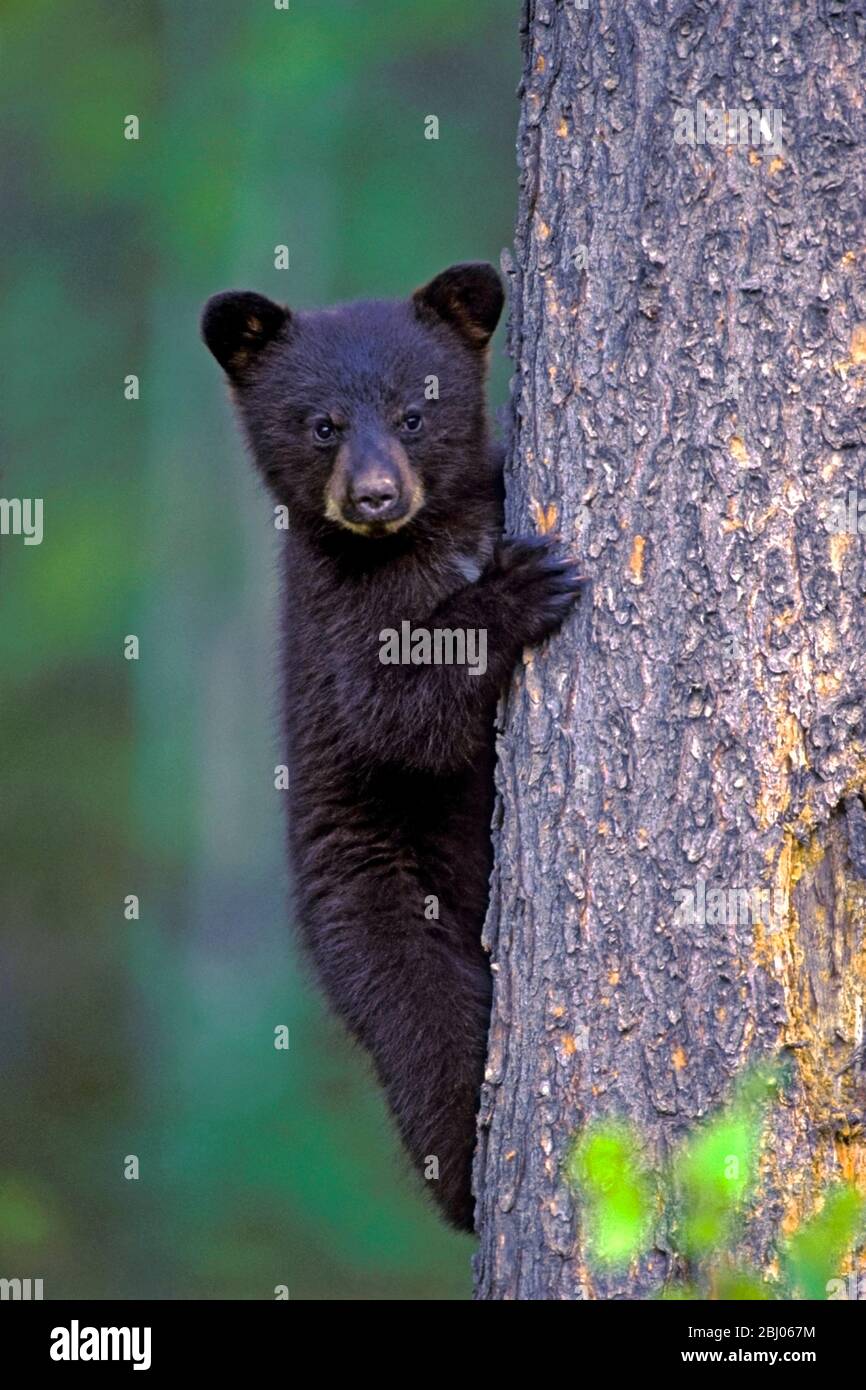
x: 538, y: 586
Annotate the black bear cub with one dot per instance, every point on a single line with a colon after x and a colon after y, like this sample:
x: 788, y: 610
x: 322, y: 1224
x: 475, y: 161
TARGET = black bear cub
x: 405, y: 612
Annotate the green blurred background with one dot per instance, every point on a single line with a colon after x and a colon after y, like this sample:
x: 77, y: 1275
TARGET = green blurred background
x: 154, y: 1037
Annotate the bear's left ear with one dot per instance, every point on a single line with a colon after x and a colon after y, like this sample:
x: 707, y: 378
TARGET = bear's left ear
x: 237, y: 324
x: 468, y: 297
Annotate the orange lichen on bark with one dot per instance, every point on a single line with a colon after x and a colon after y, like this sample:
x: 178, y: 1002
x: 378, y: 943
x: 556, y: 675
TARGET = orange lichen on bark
x: 856, y: 352
x: 545, y: 518
x: 635, y: 561
x: 828, y: 684
x: 851, y: 1158
x: 788, y: 752
x: 815, y: 948
x: 858, y: 345
x: 831, y: 468
x: 840, y: 543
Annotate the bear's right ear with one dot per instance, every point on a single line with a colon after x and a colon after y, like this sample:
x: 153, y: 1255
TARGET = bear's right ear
x: 237, y: 325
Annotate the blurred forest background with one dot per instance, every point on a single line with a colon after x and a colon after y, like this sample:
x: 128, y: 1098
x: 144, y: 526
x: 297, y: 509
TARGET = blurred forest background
x: 155, y: 1037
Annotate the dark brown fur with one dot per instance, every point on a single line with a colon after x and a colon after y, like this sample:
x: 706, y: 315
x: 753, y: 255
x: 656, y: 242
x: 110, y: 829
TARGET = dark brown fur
x: 392, y: 765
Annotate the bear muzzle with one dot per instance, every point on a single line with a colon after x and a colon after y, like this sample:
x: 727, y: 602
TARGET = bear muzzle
x: 373, y: 496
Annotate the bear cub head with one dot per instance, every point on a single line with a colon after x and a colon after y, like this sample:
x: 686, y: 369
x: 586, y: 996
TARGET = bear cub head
x: 369, y: 415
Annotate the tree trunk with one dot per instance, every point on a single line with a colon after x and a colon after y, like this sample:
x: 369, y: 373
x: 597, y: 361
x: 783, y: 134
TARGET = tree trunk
x: 689, y: 337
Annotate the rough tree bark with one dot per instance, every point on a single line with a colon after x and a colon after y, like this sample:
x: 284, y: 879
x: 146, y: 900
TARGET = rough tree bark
x: 689, y: 409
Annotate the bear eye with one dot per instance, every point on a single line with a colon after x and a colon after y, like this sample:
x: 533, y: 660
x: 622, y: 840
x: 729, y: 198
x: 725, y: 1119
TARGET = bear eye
x: 412, y: 421
x: 324, y: 430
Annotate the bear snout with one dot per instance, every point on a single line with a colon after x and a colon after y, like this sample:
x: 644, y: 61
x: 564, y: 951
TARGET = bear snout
x: 375, y: 496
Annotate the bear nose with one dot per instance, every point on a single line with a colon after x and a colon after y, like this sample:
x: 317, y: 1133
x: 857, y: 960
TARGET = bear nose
x: 372, y: 496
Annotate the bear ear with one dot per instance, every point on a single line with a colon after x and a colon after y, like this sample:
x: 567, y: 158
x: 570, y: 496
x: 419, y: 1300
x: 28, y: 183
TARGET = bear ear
x: 237, y: 324
x: 468, y: 297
